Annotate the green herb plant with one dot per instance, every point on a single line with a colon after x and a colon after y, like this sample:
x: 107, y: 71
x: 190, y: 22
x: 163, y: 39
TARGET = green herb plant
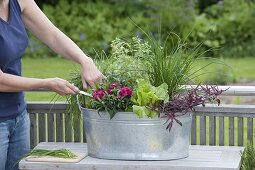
x: 248, y: 157
x: 125, y: 62
x: 60, y: 153
x: 171, y: 65
x: 156, y: 62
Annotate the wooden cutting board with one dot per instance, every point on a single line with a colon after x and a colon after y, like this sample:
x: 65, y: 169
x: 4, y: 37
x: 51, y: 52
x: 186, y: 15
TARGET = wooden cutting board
x: 79, y: 157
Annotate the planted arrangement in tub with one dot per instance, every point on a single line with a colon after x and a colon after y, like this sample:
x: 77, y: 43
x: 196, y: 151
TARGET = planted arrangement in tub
x: 145, y: 100
x: 142, y: 111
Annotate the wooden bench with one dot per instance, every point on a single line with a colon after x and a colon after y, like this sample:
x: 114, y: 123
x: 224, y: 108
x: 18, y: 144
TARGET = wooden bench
x: 200, y: 158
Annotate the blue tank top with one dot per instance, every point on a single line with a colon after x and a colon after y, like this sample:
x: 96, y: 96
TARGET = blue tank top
x: 13, y: 42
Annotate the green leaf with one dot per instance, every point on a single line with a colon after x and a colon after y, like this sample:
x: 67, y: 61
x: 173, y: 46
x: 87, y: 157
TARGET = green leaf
x: 147, y: 95
x: 146, y: 98
x: 162, y: 92
x: 142, y: 111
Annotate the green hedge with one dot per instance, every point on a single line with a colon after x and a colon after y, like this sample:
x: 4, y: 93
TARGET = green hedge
x: 92, y: 25
x: 229, y: 26
x: 219, y: 24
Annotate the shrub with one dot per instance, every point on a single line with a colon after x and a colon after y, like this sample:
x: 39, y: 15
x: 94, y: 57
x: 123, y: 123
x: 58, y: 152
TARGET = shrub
x: 227, y: 25
x: 91, y: 25
x: 176, y: 15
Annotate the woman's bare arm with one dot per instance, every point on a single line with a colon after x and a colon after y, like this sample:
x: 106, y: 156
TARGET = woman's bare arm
x: 12, y: 83
x: 40, y: 25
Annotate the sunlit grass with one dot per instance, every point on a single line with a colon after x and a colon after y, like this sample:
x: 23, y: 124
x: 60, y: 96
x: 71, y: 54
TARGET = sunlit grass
x: 239, y: 68
x: 47, y: 68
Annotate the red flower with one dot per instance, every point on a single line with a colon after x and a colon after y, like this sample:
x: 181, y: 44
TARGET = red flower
x: 98, y: 94
x: 114, y: 85
x: 126, y: 91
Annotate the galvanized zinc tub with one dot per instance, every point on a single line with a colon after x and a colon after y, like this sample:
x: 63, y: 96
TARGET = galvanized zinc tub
x: 127, y: 137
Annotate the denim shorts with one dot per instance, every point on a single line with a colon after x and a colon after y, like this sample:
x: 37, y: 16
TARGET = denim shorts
x: 14, y: 141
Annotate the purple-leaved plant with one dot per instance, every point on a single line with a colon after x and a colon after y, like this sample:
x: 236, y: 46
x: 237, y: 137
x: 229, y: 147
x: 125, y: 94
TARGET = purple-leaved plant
x: 187, y: 101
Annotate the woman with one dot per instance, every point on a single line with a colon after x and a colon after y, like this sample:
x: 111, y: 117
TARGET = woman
x: 15, y: 16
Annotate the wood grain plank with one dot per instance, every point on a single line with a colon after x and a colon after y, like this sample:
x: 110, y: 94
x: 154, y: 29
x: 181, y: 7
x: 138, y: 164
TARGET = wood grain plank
x: 51, y: 127
x: 200, y: 158
x: 250, y: 129
x: 212, y: 130
x: 194, y: 130
x: 59, y: 127
x: 221, y: 131
x: 231, y: 131
x: 42, y: 127
x: 33, y: 130
x: 202, y: 130
x: 240, y: 131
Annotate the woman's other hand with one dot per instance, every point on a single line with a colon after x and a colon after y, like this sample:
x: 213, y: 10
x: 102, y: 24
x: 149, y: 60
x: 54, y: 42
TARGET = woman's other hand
x: 90, y: 74
x: 61, y: 86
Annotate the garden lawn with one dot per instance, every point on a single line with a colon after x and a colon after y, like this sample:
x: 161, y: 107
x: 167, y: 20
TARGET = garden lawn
x: 240, y: 68
x: 243, y: 67
x: 227, y: 70
x: 47, y: 68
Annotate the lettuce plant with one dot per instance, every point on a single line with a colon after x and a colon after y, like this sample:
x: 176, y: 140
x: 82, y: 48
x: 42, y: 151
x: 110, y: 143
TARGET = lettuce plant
x: 146, y: 96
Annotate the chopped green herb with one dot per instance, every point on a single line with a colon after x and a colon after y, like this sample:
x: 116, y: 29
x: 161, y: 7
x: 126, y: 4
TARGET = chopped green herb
x: 60, y: 153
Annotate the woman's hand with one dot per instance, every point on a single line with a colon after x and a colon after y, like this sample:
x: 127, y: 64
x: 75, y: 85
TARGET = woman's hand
x: 90, y: 74
x: 61, y: 86
x: 12, y: 83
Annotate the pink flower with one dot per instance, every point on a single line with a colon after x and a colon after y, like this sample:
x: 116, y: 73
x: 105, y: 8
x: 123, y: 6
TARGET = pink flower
x: 98, y: 94
x: 108, y: 91
x: 126, y: 91
x: 114, y: 85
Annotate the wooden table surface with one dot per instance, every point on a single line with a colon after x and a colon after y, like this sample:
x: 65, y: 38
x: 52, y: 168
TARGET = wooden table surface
x: 200, y: 158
